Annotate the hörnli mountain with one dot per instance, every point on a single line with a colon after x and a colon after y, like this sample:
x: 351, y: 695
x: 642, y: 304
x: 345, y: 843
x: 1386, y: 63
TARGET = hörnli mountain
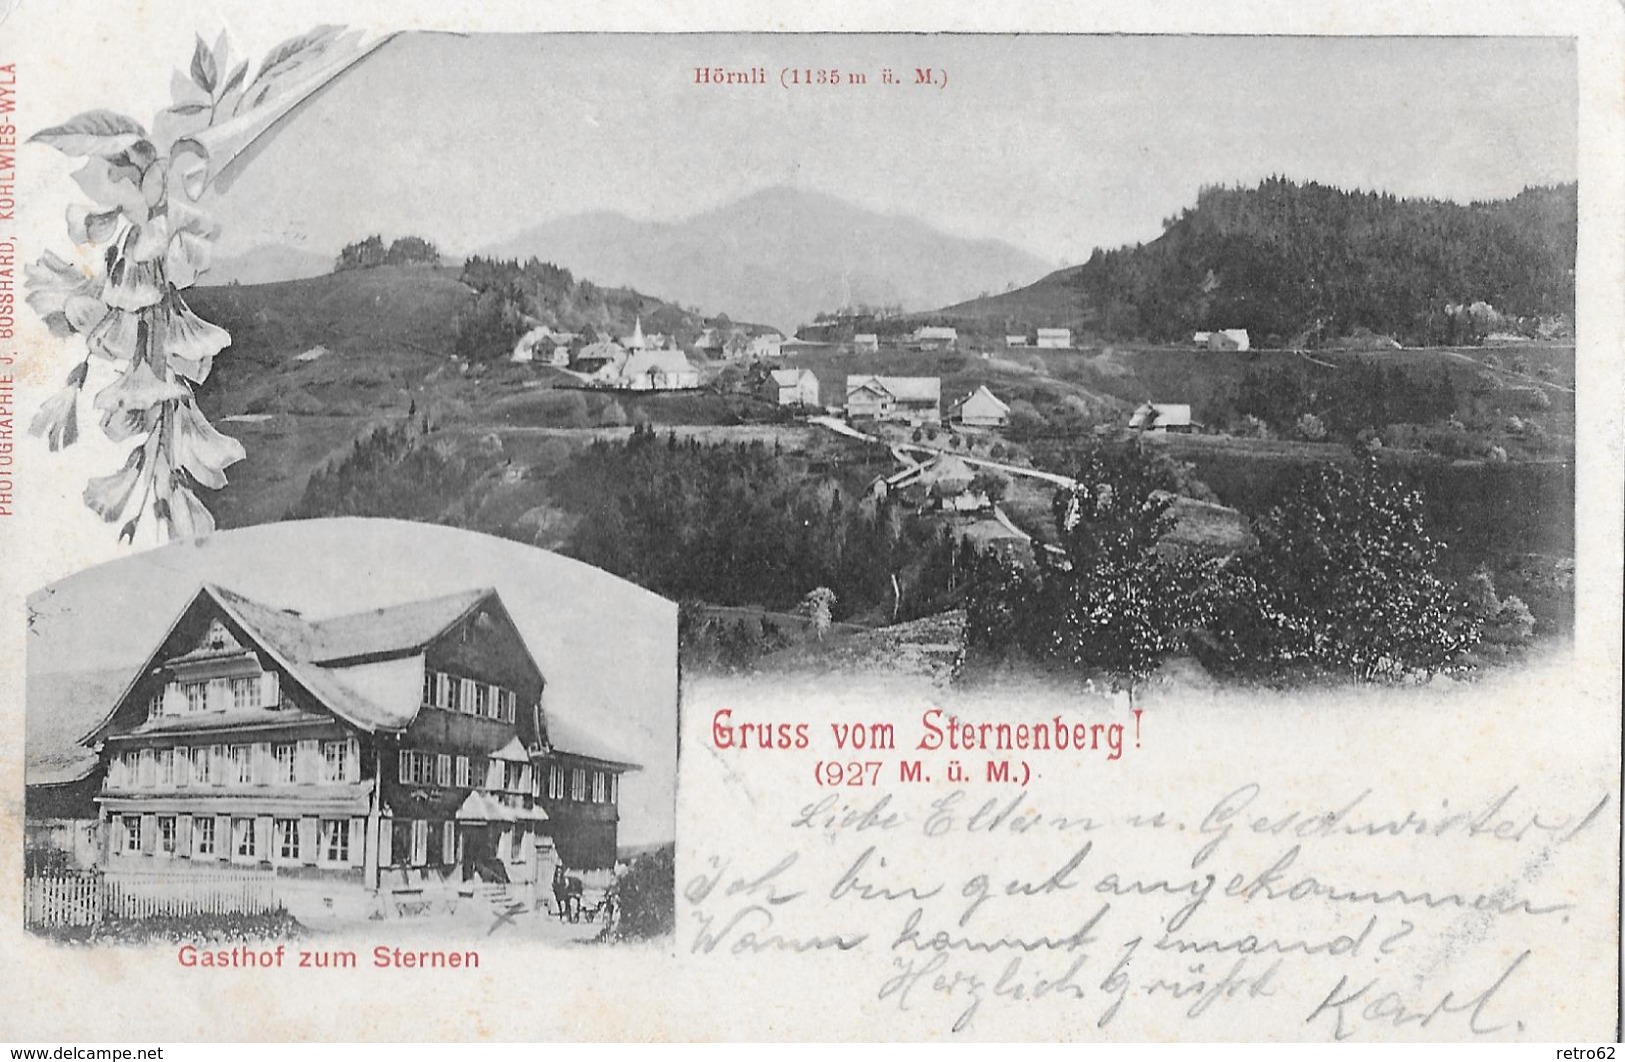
x: 779, y: 256
x: 1308, y: 262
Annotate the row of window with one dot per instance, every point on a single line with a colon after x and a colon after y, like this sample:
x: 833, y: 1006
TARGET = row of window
x: 217, y: 695
x: 465, y: 695
x: 241, y: 839
x: 429, y: 842
x: 417, y: 767
x: 599, y: 787
x: 267, y: 763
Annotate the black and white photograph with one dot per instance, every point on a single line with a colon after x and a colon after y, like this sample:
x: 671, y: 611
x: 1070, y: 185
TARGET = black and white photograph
x: 330, y: 724
x: 1100, y: 534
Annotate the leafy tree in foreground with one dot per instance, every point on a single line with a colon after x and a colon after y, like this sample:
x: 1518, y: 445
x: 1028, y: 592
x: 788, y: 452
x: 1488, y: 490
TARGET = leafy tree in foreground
x: 1117, y: 604
x: 1344, y: 583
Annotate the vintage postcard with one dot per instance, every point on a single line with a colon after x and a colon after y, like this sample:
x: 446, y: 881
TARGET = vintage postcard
x: 925, y: 524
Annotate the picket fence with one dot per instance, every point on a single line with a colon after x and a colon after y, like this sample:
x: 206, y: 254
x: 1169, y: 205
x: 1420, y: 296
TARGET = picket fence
x: 85, y: 899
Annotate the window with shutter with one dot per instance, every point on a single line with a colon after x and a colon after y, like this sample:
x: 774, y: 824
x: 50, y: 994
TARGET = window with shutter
x: 420, y: 842
x: 448, y: 842
x: 203, y: 837
x: 270, y: 690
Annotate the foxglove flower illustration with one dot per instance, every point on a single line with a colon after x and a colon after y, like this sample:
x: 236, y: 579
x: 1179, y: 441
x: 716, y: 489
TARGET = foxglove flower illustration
x: 133, y: 403
x: 143, y: 242
x: 202, y: 451
x: 109, y: 495
x: 185, y: 515
x: 58, y: 419
x: 116, y: 336
x: 189, y: 342
x: 190, y: 247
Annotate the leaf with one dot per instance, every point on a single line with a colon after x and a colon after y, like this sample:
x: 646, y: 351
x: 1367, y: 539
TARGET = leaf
x: 188, y: 109
x: 204, y: 71
x: 295, y: 50
x: 100, y: 133
x: 236, y: 77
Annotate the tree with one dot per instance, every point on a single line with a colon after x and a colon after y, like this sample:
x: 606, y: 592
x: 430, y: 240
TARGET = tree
x: 363, y: 254
x: 1343, y: 583
x: 1115, y: 605
x: 817, y: 606
x: 992, y: 483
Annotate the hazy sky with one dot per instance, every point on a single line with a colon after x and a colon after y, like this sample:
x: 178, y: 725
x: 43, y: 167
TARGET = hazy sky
x: 1054, y: 143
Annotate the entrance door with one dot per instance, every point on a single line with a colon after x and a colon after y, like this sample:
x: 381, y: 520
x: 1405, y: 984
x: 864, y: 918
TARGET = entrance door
x: 479, y: 848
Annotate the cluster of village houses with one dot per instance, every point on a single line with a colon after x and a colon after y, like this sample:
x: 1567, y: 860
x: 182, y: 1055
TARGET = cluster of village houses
x: 654, y: 362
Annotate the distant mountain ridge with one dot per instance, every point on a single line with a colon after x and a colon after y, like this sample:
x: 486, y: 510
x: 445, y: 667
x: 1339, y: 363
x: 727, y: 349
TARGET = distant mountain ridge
x: 269, y: 263
x: 780, y: 255
x: 1305, y: 262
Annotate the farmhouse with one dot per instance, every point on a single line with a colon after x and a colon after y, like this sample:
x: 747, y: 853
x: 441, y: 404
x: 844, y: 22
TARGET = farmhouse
x: 914, y: 399
x: 981, y: 408
x: 350, y: 750
x: 1015, y: 341
x: 545, y: 345
x: 1228, y: 339
x: 790, y: 387
x: 601, y: 361
x: 1162, y: 417
x: 766, y: 346
x: 934, y: 337
x: 866, y: 343
x: 1055, y: 338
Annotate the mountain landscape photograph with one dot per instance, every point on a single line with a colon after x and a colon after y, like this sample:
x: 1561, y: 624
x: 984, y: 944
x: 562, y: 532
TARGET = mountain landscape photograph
x: 885, y: 375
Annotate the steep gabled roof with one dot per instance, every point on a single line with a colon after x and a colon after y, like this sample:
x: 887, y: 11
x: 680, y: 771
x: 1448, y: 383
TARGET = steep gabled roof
x: 984, y: 393
x: 391, y: 631
x: 322, y: 655
x: 788, y: 377
x: 902, y: 388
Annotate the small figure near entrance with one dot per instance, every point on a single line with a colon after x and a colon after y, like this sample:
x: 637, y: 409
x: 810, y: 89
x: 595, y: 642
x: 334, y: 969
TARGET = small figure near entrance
x: 567, y: 892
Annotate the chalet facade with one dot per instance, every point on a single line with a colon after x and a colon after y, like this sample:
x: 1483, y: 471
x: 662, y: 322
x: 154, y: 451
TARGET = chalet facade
x: 404, y: 743
x: 981, y: 409
x: 866, y: 343
x: 910, y: 399
x: 1054, y: 338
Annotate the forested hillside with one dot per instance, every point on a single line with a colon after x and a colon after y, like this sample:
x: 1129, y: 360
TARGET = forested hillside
x: 1309, y: 264
x: 1286, y: 259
